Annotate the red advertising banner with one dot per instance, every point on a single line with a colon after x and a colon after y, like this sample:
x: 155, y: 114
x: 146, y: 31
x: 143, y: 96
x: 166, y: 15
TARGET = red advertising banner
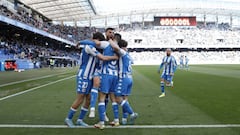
x: 175, y: 21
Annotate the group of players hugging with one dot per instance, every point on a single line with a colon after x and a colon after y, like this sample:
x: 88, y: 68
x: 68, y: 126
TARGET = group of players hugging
x: 105, y: 72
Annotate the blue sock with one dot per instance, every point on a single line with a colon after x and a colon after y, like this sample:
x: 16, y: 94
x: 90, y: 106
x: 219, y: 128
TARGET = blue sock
x: 71, y: 113
x: 162, y: 87
x: 106, y: 101
x: 124, y: 113
x: 115, y: 111
x: 83, y: 112
x: 94, y: 96
x: 101, y: 111
x: 126, y: 106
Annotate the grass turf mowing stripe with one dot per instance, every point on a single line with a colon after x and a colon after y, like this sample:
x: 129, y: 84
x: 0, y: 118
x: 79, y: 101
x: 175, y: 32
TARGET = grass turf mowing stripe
x: 25, y: 91
x: 127, y: 126
x: 32, y: 79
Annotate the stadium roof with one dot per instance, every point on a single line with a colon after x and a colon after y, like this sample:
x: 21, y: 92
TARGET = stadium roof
x: 80, y: 10
x: 62, y: 9
x: 119, y: 6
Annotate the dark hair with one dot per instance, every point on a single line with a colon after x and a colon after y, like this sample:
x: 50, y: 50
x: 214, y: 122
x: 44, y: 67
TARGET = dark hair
x: 117, y: 37
x: 99, y: 36
x: 123, y: 43
x: 109, y: 28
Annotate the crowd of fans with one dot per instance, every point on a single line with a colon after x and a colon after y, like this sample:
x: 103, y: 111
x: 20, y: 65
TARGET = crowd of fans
x: 66, y: 32
x: 182, y: 38
x: 137, y: 37
x: 17, y: 50
x: 190, y: 37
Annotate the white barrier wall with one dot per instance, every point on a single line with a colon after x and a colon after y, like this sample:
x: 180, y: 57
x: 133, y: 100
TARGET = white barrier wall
x: 155, y: 58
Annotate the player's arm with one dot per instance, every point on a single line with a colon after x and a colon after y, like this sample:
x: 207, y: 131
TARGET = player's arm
x: 114, y: 45
x: 84, y: 42
x: 132, y: 61
x: 101, y: 44
x: 161, y: 65
x: 174, y: 64
x: 117, y: 49
x: 107, y: 58
x: 92, y: 51
x: 87, y: 42
x: 77, y: 46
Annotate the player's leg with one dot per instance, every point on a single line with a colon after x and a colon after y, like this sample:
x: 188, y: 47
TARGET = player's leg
x: 124, y: 112
x: 106, y: 104
x: 125, y: 93
x: 101, y: 111
x: 169, y: 81
x: 107, y: 100
x: 114, y: 82
x: 187, y: 66
x: 115, y: 109
x: 94, y: 95
x: 162, y: 85
x: 126, y: 107
x: 101, y: 105
x: 78, y: 101
x: 84, y: 111
x: 118, y: 93
x: 86, y: 87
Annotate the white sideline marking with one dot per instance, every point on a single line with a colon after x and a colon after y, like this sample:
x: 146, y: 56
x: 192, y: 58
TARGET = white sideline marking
x: 34, y: 88
x: 36, y: 78
x: 128, y: 126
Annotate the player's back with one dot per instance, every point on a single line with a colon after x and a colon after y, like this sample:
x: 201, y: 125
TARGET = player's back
x: 181, y: 60
x: 87, y: 65
x: 186, y: 59
x: 125, y: 65
x: 109, y: 67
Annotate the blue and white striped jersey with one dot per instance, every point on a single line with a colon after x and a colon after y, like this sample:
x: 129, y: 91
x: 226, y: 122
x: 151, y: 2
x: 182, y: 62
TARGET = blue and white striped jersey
x: 109, y: 67
x: 169, y: 65
x: 186, y: 60
x: 125, y: 64
x: 181, y: 60
x: 88, y: 61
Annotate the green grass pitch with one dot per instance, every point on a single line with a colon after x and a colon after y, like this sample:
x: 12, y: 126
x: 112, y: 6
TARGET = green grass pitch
x: 204, y: 95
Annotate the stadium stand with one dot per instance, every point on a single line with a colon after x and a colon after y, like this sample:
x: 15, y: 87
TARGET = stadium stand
x: 202, y: 44
x: 67, y: 32
x: 29, y: 50
x: 209, y: 45
x: 182, y: 38
x: 30, y: 56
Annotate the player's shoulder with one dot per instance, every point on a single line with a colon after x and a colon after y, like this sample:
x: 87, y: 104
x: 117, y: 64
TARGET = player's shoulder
x: 104, y: 44
x: 122, y: 52
x: 87, y: 42
x: 172, y: 57
x: 89, y: 48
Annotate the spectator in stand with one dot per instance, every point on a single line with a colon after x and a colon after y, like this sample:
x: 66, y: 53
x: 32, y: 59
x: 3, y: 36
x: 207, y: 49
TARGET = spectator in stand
x: 67, y: 32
